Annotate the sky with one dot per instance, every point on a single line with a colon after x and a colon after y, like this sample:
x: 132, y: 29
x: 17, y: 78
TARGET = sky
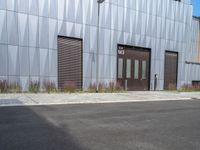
x: 196, y: 4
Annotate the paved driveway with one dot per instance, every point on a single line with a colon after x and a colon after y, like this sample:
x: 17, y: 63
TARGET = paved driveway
x: 173, y: 125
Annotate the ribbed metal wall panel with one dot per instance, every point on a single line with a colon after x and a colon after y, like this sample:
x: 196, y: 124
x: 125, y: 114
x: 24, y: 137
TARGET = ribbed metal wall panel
x: 32, y: 27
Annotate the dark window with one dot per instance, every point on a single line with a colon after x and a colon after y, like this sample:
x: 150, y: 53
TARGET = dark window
x: 120, y: 68
x: 136, y: 71
x: 128, y: 68
x: 144, y: 69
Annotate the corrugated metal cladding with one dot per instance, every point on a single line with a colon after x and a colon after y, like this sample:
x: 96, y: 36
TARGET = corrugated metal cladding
x: 69, y: 61
x: 29, y: 30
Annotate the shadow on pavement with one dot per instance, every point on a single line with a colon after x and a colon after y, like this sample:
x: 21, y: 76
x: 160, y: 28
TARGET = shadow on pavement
x: 10, y: 102
x: 23, y: 129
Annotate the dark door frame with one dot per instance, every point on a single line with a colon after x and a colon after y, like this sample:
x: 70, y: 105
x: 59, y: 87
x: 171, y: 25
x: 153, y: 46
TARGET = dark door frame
x: 174, y: 52
x: 81, y: 55
x: 136, y: 48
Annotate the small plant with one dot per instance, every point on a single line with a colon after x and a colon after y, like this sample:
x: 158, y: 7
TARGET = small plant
x: 93, y: 87
x: 114, y: 87
x: 111, y: 87
x: 186, y: 88
x: 49, y: 86
x: 34, y: 86
x: 190, y: 88
x: 118, y: 87
x: 3, y: 86
x: 103, y: 88
x: 196, y: 88
x: 14, y: 87
x: 172, y: 87
x: 69, y: 86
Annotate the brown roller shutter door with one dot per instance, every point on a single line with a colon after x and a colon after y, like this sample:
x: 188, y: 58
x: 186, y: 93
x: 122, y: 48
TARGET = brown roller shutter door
x: 171, y: 69
x: 69, y: 61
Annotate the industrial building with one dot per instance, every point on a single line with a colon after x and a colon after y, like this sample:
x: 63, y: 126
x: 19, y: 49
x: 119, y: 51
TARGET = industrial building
x: 134, y: 43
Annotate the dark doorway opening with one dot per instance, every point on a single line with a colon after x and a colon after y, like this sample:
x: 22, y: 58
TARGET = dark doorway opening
x: 171, y: 70
x: 69, y: 61
x: 196, y: 83
x: 133, y: 68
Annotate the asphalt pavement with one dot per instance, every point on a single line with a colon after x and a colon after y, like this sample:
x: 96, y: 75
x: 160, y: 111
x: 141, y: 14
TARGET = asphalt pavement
x: 164, y: 125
